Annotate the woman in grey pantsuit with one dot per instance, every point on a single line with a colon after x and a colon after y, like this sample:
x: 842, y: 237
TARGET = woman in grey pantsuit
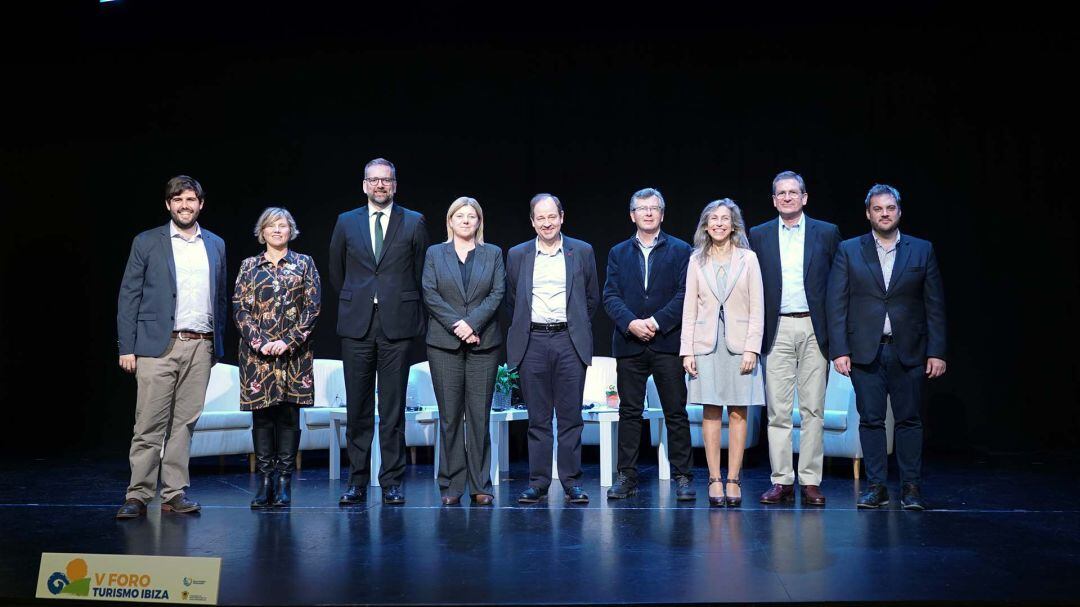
x: 463, y: 283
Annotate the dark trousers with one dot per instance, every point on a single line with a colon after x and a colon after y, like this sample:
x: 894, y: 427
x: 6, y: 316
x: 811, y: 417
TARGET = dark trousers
x: 553, y: 381
x: 362, y: 359
x: 884, y: 378
x: 464, y: 380
x: 667, y: 371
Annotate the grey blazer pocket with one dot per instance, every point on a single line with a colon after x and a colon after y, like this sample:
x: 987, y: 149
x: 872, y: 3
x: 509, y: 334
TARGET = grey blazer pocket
x: 147, y: 316
x: 346, y: 295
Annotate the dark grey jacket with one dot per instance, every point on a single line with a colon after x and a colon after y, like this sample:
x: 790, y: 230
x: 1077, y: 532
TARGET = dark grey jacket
x: 448, y: 300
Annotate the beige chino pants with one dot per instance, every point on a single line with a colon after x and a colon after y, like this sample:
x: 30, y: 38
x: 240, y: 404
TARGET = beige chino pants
x: 173, y: 383
x: 796, y: 363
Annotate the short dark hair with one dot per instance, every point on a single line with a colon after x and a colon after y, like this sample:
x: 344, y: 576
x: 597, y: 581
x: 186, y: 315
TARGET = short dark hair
x: 178, y: 184
x: 782, y: 175
x: 381, y: 162
x: 881, y: 188
x: 540, y: 198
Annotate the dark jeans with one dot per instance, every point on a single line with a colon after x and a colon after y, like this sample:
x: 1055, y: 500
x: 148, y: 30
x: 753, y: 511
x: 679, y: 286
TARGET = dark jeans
x: 464, y: 380
x: 667, y: 371
x: 553, y: 381
x: 887, y: 378
x: 361, y: 359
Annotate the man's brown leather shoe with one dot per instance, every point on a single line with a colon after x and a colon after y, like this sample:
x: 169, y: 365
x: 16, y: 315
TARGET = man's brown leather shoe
x: 451, y: 500
x: 483, y: 499
x: 778, y: 493
x: 132, y: 508
x: 812, y: 496
x: 180, y: 504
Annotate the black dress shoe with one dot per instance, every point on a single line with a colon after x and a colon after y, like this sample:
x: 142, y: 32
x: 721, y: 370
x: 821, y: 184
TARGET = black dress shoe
x: 532, y: 495
x: 684, y: 491
x: 355, y: 494
x: 181, y: 505
x: 577, y: 495
x: 623, y: 488
x: 911, y: 497
x: 132, y: 508
x: 875, y: 496
x: 393, y: 495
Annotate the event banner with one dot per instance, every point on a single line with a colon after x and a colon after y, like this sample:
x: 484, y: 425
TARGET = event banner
x: 129, y: 577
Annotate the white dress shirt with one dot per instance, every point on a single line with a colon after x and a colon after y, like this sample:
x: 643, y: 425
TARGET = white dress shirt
x: 549, y: 285
x: 194, y: 311
x: 887, y: 258
x: 792, y: 250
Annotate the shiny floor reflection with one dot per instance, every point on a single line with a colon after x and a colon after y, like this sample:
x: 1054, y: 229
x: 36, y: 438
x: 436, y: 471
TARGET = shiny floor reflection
x: 994, y: 535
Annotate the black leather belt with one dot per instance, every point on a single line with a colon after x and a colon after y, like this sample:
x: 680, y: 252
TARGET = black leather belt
x: 886, y: 339
x: 547, y: 327
x: 795, y: 314
x: 186, y: 335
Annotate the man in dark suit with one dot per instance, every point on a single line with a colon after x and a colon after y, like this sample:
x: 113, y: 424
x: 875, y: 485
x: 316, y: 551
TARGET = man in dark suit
x: 170, y: 324
x: 376, y: 261
x: 643, y: 295
x: 796, y: 253
x: 886, y: 311
x: 552, y: 294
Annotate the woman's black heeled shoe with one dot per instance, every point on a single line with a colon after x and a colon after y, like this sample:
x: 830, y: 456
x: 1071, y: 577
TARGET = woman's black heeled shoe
x: 733, y: 502
x: 717, y: 502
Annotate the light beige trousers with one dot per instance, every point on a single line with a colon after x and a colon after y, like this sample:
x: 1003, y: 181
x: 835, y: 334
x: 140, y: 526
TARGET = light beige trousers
x: 796, y: 363
x: 171, y: 391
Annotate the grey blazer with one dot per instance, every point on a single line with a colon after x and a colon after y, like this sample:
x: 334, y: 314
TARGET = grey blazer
x: 147, y: 303
x: 582, y: 296
x: 448, y: 300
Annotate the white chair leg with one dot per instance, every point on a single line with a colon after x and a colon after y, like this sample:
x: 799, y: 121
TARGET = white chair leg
x: 662, y: 461
x: 856, y: 467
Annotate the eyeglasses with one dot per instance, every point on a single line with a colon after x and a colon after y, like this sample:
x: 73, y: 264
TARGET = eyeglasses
x: 788, y: 194
x: 378, y: 180
x: 648, y: 209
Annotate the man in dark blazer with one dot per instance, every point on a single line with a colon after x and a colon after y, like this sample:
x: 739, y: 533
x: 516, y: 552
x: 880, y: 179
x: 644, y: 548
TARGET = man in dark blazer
x: 552, y: 294
x: 643, y: 295
x: 796, y: 253
x: 886, y: 311
x: 376, y: 261
x: 170, y: 324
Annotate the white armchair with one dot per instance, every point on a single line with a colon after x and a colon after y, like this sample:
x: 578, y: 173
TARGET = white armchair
x: 222, y: 429
x: 841, y: 434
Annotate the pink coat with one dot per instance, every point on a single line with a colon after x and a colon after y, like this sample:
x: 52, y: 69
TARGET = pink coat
x: 744, y: 306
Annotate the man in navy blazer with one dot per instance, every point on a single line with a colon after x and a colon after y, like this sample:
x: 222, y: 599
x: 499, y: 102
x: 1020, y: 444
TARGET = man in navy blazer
x: 170, y: 324
x: 552, y: 294
x: 796, y: 253
x: 643, y: 295
x: 886, y: 311
x: 376, y: 263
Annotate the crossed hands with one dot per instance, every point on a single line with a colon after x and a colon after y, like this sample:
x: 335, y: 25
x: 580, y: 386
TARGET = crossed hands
x: 641, y: 329
x: 465, y: 333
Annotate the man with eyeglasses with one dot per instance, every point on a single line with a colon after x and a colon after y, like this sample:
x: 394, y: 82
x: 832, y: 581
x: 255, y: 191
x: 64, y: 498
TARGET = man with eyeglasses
x: 552, y: 294
x: 643, y: 295
x: 886, y: 305
x: 376, y: 262
x: 796, y: 254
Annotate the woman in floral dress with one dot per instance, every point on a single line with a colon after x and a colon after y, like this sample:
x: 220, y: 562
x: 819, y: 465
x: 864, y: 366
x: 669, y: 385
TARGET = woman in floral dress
x: 275, y: 306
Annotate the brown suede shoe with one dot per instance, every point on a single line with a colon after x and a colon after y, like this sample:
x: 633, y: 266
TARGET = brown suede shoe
x: 812, y: 496
x: 778, y: 493
x: 180, y: 504
x: 132, y: 508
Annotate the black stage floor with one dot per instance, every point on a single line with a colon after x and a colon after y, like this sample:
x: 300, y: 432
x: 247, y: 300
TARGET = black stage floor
x: 1005, y: 531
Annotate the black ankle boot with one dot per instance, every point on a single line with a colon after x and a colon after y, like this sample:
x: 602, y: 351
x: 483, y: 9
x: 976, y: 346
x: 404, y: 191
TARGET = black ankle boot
x: 262, y: 436
x: 282, y: 490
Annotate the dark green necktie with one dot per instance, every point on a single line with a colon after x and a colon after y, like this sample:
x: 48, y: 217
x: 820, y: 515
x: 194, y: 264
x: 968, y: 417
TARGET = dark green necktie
x: 378, y: 235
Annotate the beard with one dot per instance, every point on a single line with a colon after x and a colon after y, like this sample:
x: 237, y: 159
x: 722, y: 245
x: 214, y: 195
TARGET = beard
x: 380, y: 198
x: 183, y: 225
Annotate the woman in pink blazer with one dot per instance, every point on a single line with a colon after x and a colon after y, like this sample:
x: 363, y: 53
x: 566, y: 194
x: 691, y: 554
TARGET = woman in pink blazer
x: 722, y: 325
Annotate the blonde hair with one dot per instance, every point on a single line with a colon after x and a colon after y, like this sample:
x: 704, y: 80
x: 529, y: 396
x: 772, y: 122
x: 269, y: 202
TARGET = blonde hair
x: 272, y: 214
x: 465, y: 201
x: 703, y: 242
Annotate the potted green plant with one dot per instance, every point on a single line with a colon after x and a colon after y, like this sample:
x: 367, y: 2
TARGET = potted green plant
x: 506, y: 382
x: 612, y: 395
